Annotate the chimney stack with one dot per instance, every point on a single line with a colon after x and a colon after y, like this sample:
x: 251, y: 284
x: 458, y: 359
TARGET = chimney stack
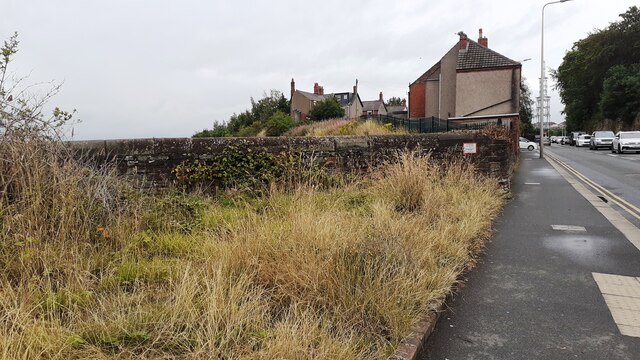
x: 321, y: 88
x: 483, y: 40
x: 463, y: 40
x: 293, y: 87
x: 381, y: 99
x: 316, y: 89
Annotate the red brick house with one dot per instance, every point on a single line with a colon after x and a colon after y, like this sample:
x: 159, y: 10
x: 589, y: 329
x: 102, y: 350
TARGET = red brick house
x: 469, y: 81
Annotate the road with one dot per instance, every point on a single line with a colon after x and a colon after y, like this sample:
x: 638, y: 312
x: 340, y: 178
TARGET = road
x: 618, y: 173
x: 536, y: 293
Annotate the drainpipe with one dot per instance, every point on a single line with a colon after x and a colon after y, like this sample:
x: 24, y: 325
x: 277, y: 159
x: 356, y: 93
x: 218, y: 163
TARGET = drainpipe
x: 439, y: 92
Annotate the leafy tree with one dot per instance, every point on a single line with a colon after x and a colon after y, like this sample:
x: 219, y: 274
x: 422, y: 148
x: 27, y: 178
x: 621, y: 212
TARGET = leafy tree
x: 326, y: 109
x: 218, y: 130
x: 621, y: 93
x: 581, y: 76
x: 279, y: 123
x: 239, y: 121
x: 526, y: 111
x: 394, y: 101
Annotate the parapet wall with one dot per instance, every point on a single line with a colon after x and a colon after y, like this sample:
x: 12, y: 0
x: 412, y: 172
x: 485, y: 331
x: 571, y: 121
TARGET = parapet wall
x: 155, y: 159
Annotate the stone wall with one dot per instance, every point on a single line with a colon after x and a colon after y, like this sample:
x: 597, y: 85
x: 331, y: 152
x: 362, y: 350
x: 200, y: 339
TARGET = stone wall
x: 154, y: 159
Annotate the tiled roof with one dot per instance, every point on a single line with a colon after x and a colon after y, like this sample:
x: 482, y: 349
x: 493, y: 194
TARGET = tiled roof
x: 477, y: 57
x: 428, y: 73
x: 396, y: 108
x: 311, y: 96
x: 371, y: 105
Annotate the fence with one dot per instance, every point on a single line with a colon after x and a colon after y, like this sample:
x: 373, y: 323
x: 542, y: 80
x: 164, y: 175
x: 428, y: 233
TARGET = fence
x: 434, y: 124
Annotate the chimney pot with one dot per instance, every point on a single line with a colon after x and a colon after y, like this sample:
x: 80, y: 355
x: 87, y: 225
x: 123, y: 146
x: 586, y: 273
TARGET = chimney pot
x: 482, y: 40
x: 293, y: 87
x: 381, y: 99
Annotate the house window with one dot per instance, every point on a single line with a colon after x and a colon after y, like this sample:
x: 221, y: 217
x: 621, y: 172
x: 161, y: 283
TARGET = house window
x: 369, y: 112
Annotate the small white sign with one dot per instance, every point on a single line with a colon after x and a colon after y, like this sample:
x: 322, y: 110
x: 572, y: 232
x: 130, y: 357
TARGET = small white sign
x: 470, y: 148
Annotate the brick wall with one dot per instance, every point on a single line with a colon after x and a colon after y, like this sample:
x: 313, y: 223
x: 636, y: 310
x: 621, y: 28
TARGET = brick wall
x: 417, y: 97
x: 154, y: 159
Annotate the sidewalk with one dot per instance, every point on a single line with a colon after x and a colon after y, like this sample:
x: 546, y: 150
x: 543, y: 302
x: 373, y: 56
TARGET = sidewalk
x: 533, y: 295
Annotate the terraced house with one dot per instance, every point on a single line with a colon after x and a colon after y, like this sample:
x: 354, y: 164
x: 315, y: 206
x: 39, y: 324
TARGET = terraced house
x: 470, y: 81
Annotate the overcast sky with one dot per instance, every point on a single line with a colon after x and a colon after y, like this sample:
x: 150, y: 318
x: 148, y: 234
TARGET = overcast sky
x: 152, y: 68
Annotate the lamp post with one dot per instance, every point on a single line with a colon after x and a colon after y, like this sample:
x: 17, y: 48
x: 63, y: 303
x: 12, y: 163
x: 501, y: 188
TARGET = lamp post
x: 542, y: 92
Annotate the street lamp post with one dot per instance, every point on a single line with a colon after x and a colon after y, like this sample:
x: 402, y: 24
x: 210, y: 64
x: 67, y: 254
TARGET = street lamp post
x: 542, y: 94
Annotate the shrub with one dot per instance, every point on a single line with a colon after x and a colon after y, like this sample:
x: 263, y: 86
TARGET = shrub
x: 278, y: 124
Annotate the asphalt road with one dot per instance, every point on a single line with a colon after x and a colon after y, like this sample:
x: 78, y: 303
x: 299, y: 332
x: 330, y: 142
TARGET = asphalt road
x: 533, y: 294
x: 618, y: 173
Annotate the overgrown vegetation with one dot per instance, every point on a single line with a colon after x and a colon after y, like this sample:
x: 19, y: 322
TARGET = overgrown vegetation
x: 269, y: 113
x: 335, y: 127
x: 599, y: 77
x: 96, y: 269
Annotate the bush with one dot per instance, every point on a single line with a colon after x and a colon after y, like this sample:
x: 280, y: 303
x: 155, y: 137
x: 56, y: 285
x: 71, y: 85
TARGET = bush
x: 278, y: 124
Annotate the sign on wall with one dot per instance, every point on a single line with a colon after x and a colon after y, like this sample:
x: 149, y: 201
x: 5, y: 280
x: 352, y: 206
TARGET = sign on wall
x: 469, y: 148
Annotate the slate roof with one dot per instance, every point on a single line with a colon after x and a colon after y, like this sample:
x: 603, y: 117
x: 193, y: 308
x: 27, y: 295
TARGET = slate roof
x: 477, y: 57
x: 396, y: 109
x: 371, y: 105
x: 311, y: 96
x: 428, y: 73
x: 338, y: 96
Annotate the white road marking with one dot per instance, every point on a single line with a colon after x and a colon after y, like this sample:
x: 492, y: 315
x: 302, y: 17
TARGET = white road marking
x: 568, y: 228
x: 531, y: 183
x: 622, y: 296
x: 630, y: 231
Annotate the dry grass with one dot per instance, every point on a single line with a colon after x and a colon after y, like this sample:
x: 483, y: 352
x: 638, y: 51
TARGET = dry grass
x: 336, y: 127
x: 95, y: 270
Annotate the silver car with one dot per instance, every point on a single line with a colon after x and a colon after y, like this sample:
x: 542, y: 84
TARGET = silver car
x: 601, y: 139
x: 626, y: 141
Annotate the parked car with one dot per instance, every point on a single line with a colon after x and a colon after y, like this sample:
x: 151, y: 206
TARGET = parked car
x: 626, y: 141
x: 601, y: 139
x: 573, y: 136
x: 564, y: 140
x: 583, y: 140
x: 526, y: 144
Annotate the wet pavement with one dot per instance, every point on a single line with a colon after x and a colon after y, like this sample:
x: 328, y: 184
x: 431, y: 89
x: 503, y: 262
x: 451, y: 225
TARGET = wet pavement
x: 533, y: 294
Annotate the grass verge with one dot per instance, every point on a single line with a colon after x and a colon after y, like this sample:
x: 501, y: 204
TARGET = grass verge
x: 97, y: 270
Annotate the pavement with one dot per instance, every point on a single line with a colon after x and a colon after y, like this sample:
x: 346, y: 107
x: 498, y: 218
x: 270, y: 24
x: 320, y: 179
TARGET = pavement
x: 557, y: 281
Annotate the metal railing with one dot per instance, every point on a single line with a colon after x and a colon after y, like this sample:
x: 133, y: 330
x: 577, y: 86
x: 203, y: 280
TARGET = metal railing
x: 431, y: 124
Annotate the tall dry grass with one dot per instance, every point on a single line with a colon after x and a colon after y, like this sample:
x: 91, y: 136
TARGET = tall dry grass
x: 97, y: 270
x: 337, y: 127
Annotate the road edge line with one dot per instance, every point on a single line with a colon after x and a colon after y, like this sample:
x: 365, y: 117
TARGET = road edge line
x: 630, y: 231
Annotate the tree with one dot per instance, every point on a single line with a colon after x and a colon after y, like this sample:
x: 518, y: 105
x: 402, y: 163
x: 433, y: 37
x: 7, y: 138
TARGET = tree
x: 621, y: 93
x: 21, y: 114
x: 581, y: 76
x: 279, y: 123
x: 526, y: 111
x: 394, y: 101
x: 326, y: 109
x: 218, y: 130
x: 251, y: 122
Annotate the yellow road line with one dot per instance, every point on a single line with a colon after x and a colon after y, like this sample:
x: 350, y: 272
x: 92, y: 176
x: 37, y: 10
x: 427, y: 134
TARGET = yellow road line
x: 623, y: 204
